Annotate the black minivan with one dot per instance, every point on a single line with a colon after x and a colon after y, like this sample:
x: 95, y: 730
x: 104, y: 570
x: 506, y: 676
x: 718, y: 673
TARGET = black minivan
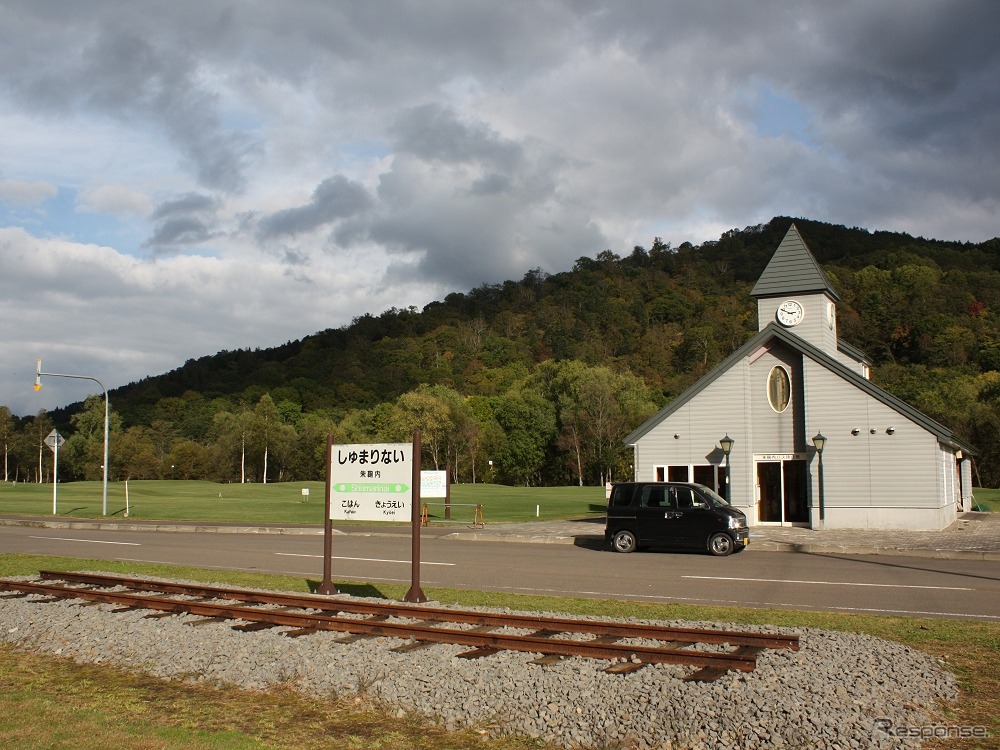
x: 673, y: 514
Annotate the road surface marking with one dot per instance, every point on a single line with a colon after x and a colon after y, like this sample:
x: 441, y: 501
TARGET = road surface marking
x: 89, y: 541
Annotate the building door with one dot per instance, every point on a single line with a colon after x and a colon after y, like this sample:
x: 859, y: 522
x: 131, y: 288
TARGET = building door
x: 783, y: 492
x: 795, y: 490
x: 769, y: 491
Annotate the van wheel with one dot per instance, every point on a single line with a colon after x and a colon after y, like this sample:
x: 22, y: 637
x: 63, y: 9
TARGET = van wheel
x: 720, y: 544
x: 624, y: 541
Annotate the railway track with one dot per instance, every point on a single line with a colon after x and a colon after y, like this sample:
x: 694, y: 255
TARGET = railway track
x: 629, y: 646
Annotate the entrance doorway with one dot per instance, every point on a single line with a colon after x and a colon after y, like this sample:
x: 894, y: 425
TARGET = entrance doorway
x: 782, y: 492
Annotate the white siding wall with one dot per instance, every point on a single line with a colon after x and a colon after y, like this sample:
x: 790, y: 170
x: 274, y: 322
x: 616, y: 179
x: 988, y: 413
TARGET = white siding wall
x: 775, y: 432
x: 873, y: 478
x: 691, y: 434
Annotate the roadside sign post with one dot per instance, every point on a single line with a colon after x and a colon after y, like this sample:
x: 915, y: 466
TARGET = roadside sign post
x: 54, y: 440
x: 38, y: 387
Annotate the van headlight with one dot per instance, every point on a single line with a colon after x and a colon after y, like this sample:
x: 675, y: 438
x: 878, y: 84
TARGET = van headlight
x: 737, y: 522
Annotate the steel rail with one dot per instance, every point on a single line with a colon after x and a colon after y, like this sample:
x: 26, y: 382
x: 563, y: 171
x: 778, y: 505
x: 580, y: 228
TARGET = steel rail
x: 440, y: 614
x: 743, y: 660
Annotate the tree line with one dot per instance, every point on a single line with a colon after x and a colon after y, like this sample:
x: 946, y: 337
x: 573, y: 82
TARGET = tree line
x: 562, y: 423
x: 545, y: 376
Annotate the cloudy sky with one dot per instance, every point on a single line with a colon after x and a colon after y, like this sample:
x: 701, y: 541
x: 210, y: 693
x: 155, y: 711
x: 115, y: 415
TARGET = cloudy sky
x: 180, y: 177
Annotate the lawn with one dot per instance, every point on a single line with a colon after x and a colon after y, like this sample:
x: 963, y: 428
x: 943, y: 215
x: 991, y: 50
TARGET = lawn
x: 282, y: 503
x: 987, y: 499
x: 49, y: 702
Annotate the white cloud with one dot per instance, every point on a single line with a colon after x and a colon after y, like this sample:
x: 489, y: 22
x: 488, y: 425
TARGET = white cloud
x: 114, y: 199
x: 24, y: 193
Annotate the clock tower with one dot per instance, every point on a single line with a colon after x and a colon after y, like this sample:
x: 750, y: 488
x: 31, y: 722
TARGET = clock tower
x: 794, y: 293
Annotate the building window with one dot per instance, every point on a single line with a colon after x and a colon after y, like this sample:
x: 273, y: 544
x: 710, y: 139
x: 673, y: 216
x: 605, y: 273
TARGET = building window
x: 779, y: 389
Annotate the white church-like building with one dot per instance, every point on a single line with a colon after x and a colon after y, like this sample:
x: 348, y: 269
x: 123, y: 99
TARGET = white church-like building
x: 790, y: 428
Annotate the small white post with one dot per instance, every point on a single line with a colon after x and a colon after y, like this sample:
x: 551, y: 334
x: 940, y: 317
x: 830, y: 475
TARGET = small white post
x: 55, y: 473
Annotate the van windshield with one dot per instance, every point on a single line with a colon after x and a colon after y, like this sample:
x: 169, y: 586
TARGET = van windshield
x: 715, y: 497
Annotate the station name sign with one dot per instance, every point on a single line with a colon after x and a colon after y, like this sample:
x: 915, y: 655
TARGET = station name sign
x: 371, y: 482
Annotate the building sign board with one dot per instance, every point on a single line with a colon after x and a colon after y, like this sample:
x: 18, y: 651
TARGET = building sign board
x: 371, y: 482
x: 779, y: 456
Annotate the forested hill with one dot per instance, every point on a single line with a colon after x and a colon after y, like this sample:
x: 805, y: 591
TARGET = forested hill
x: 926, y: 311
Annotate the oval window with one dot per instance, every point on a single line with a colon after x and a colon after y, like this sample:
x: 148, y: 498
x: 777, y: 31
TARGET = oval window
x: 779, y: 389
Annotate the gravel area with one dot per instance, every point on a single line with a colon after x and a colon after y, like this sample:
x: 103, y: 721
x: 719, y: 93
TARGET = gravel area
x: 834, y: 692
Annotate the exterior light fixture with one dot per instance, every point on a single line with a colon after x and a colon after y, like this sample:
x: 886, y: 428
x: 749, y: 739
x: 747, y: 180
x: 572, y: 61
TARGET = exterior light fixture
x: 727, y: 447
x: 820, y: 442
x: 38, y: 387
x: 890, y: 430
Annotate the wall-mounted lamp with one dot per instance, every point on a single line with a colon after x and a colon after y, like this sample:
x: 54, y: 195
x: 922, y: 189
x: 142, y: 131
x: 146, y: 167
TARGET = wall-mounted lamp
x: 855, y: 432
x: 890, y: 430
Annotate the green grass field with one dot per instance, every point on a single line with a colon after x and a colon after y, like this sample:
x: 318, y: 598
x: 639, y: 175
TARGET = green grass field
x: 281, y: 503
x: 988, y: 500
x: 284, y: 503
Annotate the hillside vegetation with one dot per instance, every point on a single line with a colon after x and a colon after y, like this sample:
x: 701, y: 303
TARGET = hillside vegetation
x: 544, y: 376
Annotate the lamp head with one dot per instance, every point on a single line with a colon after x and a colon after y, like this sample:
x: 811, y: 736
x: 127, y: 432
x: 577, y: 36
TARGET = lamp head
x: 727, y: 444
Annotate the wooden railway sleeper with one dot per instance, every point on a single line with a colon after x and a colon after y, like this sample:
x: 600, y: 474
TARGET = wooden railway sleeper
x: 483, y: 643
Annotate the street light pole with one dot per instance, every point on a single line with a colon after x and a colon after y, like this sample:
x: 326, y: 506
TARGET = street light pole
x: 820, y: 442
x: 38, y: 387
x: 727, y: 448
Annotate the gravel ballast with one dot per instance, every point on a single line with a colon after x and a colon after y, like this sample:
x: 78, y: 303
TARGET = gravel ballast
x: 836, y: 691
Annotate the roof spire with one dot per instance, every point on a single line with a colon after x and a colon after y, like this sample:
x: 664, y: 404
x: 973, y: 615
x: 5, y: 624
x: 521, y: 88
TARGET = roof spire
x: 792, y: 270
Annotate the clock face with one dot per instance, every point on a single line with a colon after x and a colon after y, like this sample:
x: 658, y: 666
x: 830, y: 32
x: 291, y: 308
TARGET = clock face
x: 790, y: 313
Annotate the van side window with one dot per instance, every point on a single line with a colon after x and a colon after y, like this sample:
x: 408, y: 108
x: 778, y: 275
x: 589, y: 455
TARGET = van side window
x: 653, y: 497
x: 622, y: 495
x: 684, y: 497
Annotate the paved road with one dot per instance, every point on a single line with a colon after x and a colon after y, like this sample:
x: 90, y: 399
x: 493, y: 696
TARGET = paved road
x: 896, y: 585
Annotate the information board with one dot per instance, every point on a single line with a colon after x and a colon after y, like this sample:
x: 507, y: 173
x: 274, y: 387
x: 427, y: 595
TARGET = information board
x: 371, y: 482
x: 433, y: 484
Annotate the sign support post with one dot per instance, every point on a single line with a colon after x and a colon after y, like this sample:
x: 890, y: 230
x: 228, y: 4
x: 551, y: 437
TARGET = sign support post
x: 327, y: 587
x: 54, y: 440
x: 415, y: 594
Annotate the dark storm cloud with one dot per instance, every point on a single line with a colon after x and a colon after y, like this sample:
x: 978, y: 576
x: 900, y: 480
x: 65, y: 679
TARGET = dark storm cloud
x: 185, y: 204
x: 434, y: 133
x: 334, y: 198
x: 185, y: 220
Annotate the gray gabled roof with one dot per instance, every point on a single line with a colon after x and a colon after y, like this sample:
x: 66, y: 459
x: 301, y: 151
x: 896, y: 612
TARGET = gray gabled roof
x: 774, y: 331
x: 792, y: 270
